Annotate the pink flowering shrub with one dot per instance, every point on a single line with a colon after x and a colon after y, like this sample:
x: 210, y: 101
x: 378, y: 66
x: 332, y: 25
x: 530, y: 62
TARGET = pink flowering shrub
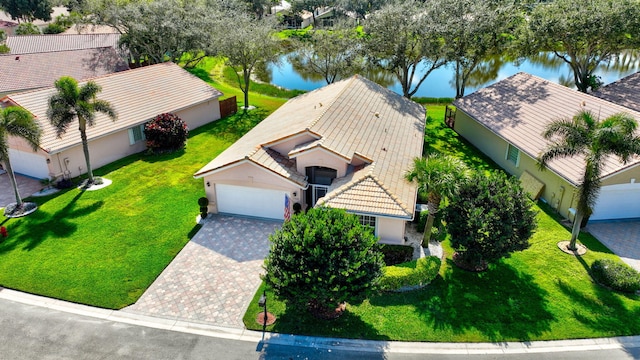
x: 166, y: 132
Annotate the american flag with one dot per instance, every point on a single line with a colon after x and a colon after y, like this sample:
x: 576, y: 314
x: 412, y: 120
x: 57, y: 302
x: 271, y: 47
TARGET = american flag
x: 287, y: 207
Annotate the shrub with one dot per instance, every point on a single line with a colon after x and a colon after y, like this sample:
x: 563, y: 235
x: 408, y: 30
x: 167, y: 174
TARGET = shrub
x: 413, y: 273
x: 4, y: 49
x: 166, y: 132
x: 53, y: 29
x: 396, y: 254
x: 27, y: 29
x: 489, y: 218
x: 616, y: 275
x: 321, y: 259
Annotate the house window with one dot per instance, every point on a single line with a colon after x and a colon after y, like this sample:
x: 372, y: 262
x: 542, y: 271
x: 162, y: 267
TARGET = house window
x: 367, y: 220
x: 513, y: 154
x: 136, y: 134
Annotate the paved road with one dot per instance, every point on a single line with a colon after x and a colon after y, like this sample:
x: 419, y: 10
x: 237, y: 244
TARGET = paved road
x: 36, y: 332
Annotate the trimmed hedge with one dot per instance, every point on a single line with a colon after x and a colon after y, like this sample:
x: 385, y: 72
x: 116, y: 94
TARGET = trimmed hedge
x: 616, y: 275
x: 416, y: 273
x: 396, y: 254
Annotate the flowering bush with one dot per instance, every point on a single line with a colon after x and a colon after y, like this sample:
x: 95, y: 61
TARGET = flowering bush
x: 166, y: 132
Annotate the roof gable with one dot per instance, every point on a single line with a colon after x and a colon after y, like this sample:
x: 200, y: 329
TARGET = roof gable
x: 625, y: 92
x: 519, y: 108
x: 137, y: 96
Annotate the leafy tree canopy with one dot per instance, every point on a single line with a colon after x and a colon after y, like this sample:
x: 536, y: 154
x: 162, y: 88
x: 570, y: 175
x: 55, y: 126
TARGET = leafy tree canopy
x: 490, y: 217
x: 585, y: 33
x: 322, y: 258
x: 27, y: 10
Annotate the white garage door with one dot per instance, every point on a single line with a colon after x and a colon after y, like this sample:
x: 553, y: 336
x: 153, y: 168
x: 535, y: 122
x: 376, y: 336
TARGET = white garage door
x: 30, y: 164
x: 250, y: 201
x: 617, y: 202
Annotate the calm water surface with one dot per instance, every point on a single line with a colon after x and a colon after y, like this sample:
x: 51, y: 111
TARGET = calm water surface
x: 439, y: 83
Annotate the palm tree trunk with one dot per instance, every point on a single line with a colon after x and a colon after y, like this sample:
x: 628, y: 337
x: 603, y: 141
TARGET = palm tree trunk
x: 85, y: 148
x: 432, y: 205
x: 575, y: 231
x: 14, y: 183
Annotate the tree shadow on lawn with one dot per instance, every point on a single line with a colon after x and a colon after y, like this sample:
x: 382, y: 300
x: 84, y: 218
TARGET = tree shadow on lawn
x: 32, y: 231
x: 502, y: 304
x: 604, y: 311
x: 296, y: 320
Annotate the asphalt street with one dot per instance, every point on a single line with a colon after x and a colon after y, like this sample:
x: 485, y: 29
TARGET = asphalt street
x: 35, y: 332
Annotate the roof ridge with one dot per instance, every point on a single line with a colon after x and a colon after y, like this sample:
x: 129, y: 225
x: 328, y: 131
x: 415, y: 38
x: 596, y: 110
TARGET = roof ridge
x: 333, y: 100
x: 58, y: 51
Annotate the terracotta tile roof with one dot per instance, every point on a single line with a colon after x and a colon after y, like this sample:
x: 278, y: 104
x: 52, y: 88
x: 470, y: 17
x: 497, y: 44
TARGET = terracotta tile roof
x: 625, y: 92
x: 351, y: 118
x: 519, y: 108
x: 31, y: 71
x: 28, y: 44
x: 137, y: 96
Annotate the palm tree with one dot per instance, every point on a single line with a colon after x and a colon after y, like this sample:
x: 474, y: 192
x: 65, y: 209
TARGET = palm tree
x: 15, y: 121
x: 595, y: 140
x: 438, y: 176
x: 73, y: 101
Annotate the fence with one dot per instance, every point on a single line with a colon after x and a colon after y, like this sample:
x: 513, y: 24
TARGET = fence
x: 228, y: 106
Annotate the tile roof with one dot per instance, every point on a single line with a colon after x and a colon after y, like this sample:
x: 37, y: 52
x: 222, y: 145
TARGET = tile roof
x: 625, y: 92
x: 28, y: 44
x: 519, y: 108
x: 137, y: 96
x: 350, y: 118
x: 31, y: 71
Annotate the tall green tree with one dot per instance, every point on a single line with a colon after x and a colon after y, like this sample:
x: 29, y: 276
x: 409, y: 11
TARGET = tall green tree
x: 360, y: 8
x: 403, y: 38
x: 332, y: 54
x: 438, y: 176
x: 323, y: 258
x: 585, y: 33
x: 253, y: 42
x: 72, y: 102
x: 473, y: 32
x: 158, y: 31
x: 27, y: 10
x: 594, y: 140
x: 15, y: 121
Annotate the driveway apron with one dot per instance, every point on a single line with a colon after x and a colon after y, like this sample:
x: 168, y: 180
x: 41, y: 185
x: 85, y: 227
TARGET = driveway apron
x: 621, y: 237
x: 214, y: 277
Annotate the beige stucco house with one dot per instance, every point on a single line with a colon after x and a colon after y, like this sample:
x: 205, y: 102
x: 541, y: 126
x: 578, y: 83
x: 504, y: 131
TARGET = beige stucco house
x: 136, y: 95
x: 506, y: 120
x: 346, y: 145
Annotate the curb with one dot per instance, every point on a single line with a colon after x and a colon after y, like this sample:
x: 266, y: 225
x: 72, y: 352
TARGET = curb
x: 369, y: 346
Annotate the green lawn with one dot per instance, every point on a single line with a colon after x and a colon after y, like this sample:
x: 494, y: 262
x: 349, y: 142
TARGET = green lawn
x: 538, y: 294
x: 104, y: 248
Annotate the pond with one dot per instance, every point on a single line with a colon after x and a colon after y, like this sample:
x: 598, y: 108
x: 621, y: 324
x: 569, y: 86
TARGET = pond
x: 440, y: 82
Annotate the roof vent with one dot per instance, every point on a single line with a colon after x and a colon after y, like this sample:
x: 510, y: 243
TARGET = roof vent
x: 377, y: 114
x: 17, y: 58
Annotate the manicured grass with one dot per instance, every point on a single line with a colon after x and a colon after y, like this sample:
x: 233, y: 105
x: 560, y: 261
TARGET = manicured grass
x: 537, y: 294
x: 104, y: 248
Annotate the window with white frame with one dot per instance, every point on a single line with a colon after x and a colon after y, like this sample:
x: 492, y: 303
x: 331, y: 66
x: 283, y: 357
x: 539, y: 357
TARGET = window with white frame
x: 136, y: 134
x: 513, y: 154
x: 367, y: 220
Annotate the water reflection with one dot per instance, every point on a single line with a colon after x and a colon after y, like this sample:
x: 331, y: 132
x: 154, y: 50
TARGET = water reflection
x: 441, y: 81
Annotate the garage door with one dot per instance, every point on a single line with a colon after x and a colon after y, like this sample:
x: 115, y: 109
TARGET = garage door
x: 249, y: 201
x: 617, y: 202
x: 30, y: 164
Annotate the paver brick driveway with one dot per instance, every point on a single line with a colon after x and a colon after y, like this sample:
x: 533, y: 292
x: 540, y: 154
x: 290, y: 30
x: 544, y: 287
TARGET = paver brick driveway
x: 214, y: 277
x: 621, y: 237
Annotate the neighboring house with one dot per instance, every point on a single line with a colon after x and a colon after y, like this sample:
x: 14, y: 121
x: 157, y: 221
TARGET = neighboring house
x: 38, y: 70
x: 506, y: 121
x: 136, y: 95
x: 346, y: 145
x: 9, y: 27
x: 29, y: 44
x: 625, y: 92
